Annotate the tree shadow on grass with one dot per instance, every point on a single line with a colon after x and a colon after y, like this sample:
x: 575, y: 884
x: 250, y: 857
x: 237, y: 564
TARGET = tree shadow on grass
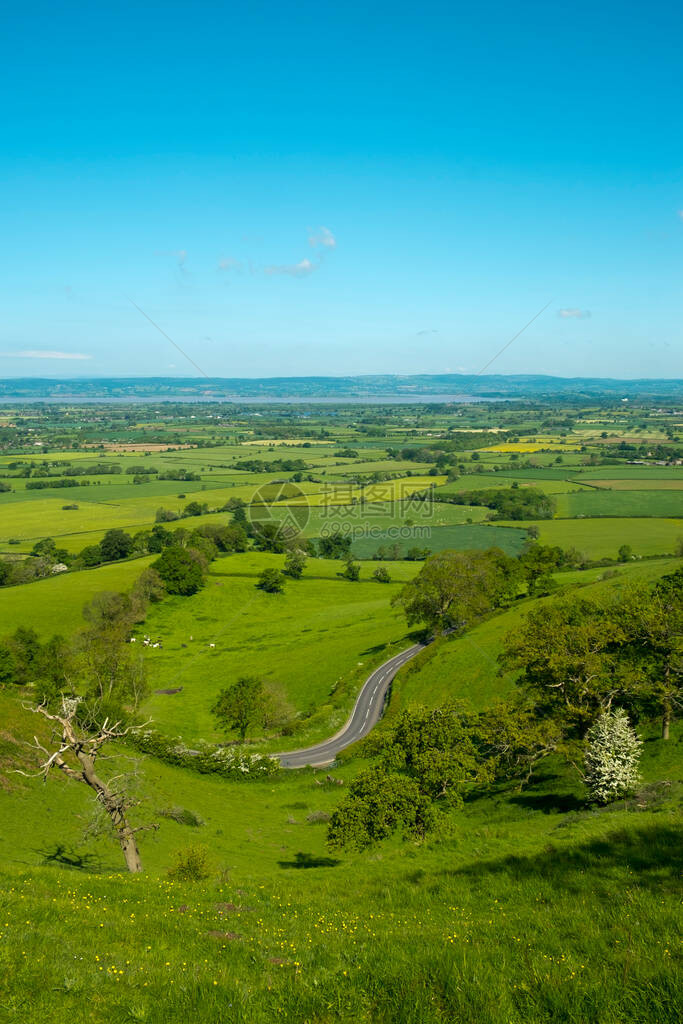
x: 66, y: 857
x: 309, y: 860
x: 549, y: 803
x: 653, y: 856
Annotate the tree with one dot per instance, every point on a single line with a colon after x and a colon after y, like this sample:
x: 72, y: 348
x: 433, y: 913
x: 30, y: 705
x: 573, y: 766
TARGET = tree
x: 295, y: 563
x: 625, y: 553
x: 226, y: 538
x: 270, y: 537
x: 115, y: 544
x: 378, y: 805
x: 652, y: 620
x: 181, y: 569
x: 381, y: 575
x: 76, y: 756
x: 272, y: 581
x: 336, y: 546
x: 538, y: 562
x: 147, y: 589
x: 430, y: 757
x: 612, y: 758
x: 109, y: 610
x: 516, y: 739
x: 111, y: 672
x: 454, y: 588
x: 351, y: 571
x: 91, y: 555
x: 251, y: 702
x: 567, y: 651
x: 194, y: 508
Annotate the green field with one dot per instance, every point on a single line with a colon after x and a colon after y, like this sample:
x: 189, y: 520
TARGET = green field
x: 665, y: 503
x: 601, y: 538
x: 54, y: 605
x: 318, y: 641
x: 443, y: 538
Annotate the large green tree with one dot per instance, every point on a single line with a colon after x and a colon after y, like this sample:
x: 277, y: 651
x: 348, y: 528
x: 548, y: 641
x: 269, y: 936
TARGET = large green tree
x: 652, y: 619
x: 454, y: 588
x: 181, y: 569
x: 430, y: 757
x: 249, y: 702
x: 567, y: 654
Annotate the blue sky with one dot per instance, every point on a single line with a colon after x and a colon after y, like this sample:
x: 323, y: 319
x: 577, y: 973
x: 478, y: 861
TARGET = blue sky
x: 341, y: 188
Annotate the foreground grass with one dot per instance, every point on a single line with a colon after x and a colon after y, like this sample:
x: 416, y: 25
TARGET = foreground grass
x: 526, y: 906
x: 566, y: 924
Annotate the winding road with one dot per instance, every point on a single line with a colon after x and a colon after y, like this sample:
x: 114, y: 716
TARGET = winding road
x: 365, y: 715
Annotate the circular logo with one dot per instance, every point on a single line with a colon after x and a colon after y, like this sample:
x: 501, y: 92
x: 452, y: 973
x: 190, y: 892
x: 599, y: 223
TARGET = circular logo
x: 278, y: 512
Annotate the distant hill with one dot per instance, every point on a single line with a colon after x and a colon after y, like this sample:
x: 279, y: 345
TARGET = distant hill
x: 380, y: 387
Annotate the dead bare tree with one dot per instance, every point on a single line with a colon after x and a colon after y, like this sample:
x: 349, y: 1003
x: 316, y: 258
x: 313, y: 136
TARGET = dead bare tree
x: 83, y: 748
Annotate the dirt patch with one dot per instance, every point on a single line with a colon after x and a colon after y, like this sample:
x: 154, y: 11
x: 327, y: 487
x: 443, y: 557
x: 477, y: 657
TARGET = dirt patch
x: 225, y: 936
x: 176, y: 690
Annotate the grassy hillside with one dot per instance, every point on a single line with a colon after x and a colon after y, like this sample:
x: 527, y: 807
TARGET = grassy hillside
x: 527, y: 907
x: 54, y: 605
x: 318, y: 640
x: 466, y: 667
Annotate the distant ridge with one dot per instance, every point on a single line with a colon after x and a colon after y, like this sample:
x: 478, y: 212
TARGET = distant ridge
x: 381, y: 387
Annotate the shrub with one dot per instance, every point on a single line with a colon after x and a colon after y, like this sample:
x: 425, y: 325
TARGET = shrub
x: 351, y: 572
x: 182, y: 816
x: 191, y: 865
x: 206, y: 758
x: 272, y: 581
x: 612, y: 758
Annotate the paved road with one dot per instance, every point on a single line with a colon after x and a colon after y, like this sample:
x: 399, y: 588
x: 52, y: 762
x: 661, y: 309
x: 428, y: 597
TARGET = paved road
x: 364, y: 717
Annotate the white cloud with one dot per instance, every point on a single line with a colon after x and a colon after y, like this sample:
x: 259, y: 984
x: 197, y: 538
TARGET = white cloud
x: 322, y: 237
x: 43, y: 354
x: 300, y: 269
x: 430, y: 330
x: 574, y: 314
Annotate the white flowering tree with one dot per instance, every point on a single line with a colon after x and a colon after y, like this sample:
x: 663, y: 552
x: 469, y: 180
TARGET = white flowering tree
x: 612, y: 758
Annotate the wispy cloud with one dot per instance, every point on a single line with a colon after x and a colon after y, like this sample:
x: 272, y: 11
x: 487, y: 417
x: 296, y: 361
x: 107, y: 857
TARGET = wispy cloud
x: 301, y: 269
x: 322, y: 237
x: 43, y: 354
x: 431, y: 330
x: 574, y: 314
x: 227, y: 265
